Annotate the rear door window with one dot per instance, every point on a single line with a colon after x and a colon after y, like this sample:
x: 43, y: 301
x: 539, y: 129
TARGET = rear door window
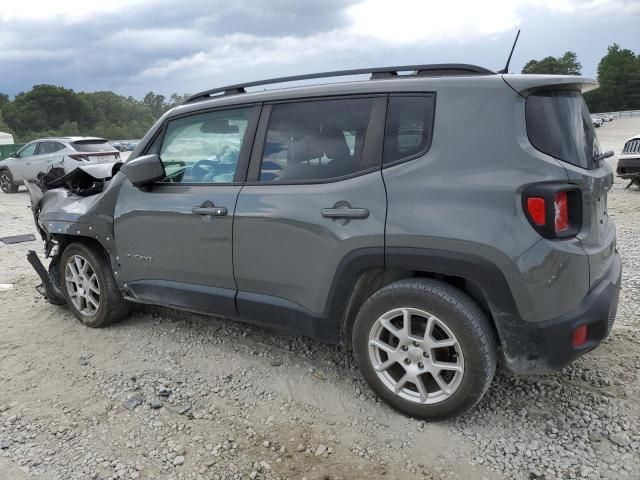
x: 559, y: 124
x: 45, y: 148
x: 409, y: 126
x: 315, y: 140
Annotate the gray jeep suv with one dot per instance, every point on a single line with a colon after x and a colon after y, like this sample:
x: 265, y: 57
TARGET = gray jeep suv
x: 427, y: 220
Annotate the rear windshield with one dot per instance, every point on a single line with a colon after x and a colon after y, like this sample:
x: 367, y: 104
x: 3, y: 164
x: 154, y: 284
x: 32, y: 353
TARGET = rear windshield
x: 559, y: 124
x: 93, y: 146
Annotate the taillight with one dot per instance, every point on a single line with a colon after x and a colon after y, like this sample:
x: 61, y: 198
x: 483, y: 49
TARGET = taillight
x: 561, y: 207
x: 537, y: 210
x: 553, y: 209
x: 78, y: 158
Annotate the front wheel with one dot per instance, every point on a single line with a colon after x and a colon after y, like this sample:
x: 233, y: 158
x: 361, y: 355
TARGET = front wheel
x: 425, y: 348
x: 6, y: 182
x: 89, y: 287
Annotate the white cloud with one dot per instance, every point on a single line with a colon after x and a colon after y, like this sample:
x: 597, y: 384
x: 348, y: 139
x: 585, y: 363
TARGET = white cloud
x: 153, y: 38
x: 242, y: 52
x: 67, y: 11
x: 413, y: 21
x: 410, y: 21
x: 189, y: 45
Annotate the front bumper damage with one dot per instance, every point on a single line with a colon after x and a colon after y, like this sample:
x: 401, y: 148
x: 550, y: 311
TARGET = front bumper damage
x: 48, y: 289
x: 67, y: 207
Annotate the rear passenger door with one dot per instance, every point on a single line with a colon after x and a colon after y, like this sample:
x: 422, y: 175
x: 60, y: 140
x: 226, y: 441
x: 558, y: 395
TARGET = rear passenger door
x: 312, y: 208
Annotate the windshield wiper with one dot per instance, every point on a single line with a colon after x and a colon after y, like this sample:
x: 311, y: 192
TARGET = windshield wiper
x: 601, y: 156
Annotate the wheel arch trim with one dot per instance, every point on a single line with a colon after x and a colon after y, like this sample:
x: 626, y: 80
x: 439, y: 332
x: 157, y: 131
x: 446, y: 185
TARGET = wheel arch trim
x: 484, y: 275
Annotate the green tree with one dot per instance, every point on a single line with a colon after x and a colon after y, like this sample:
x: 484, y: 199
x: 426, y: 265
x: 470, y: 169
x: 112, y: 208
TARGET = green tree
x: 565, y: 65
x: 619, y: 78
x: 156, y: 103
x: 3, y: 126
x: 48, y: 110
x: 4, y: 99
x: 176, y: 99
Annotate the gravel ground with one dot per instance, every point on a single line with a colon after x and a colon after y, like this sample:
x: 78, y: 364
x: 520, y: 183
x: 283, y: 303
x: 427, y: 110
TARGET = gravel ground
x: 169, y: 395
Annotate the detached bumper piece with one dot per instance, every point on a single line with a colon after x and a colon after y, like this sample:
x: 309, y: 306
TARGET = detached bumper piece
x: 47, y: 289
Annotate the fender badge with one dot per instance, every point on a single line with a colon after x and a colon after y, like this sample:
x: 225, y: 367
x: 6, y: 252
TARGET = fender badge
x: 140, y: 258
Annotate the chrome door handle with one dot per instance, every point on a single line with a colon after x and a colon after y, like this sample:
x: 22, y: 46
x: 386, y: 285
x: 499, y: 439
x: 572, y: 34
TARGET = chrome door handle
x: 343, y: 212
x: 213, y: 211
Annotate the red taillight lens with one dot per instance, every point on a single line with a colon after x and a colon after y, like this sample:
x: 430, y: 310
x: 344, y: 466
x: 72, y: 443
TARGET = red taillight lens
x: 554, y: 210
x: 580, y: 335
x: 79, y: 158
x: 562, y: 212
x: 537, y: 210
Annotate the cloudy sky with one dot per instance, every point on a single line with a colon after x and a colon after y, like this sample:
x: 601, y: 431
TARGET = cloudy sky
x: 134, y: 46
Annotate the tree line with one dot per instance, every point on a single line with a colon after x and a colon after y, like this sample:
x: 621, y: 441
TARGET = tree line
x: 48, y: 110
x: 618, y: 75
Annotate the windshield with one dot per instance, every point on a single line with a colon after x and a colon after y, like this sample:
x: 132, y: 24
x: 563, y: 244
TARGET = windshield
x: 97, y: 145
x: 559, y: 124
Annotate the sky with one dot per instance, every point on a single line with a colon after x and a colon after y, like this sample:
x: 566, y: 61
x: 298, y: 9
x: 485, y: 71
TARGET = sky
x: 166, y: 46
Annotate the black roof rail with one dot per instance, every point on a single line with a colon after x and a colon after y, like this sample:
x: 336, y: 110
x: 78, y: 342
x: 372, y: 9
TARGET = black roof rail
x: 437, y: 69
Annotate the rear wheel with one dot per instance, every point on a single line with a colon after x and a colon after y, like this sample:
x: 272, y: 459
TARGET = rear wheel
x: 89, y: 287
x: 425, y: 347
x: 6, y: 182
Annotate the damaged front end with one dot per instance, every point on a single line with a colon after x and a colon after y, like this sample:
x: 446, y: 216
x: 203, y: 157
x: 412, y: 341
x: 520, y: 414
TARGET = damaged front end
x: 77, y: 206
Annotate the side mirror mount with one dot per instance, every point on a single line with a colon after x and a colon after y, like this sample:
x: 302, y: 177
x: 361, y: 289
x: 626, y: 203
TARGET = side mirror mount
x: 13, y: 155
x: 144, y: 170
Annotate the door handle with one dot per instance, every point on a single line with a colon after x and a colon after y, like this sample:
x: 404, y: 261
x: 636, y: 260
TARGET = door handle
x: 345, y: 212
x: 213, y: 211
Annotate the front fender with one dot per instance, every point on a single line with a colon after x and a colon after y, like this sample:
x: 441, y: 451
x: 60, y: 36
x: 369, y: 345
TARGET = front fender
x: 60, y: 213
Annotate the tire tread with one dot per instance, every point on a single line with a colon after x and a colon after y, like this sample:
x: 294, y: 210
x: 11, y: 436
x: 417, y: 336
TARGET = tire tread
x: 474, y: 318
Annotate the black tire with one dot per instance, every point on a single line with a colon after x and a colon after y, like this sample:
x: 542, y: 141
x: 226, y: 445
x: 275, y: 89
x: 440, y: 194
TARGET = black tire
x: 111, y: 305
x: 461, y: 315
x: 6, y: 182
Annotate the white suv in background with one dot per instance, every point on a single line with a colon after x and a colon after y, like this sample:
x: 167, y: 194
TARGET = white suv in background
x: 40, y: 156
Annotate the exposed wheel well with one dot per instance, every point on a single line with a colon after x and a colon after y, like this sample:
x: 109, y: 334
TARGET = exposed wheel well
x: 65, y: 240
x: 373, y: 280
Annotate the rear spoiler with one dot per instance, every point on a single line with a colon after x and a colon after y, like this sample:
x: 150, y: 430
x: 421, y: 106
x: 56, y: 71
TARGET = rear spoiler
x: 525, y: 84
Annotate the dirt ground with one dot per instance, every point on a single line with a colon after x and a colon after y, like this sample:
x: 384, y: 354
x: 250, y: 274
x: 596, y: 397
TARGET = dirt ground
x: 169, y: 395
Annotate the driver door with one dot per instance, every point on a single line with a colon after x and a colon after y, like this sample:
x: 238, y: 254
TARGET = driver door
x: 174, y: 239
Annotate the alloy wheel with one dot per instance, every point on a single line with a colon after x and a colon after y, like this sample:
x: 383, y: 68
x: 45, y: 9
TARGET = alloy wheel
x: 5, y: 182
x: 83, y: 285
x: 416, y: 355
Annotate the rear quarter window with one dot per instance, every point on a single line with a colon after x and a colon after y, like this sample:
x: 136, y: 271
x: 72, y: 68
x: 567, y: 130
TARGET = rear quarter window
x: 559, y: 124
x: 409, y: 126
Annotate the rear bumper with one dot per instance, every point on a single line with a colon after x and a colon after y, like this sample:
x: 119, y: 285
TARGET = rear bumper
x: 548, y: 346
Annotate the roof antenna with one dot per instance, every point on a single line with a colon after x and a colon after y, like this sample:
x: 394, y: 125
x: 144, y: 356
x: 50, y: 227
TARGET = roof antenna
x: 513, y: 47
